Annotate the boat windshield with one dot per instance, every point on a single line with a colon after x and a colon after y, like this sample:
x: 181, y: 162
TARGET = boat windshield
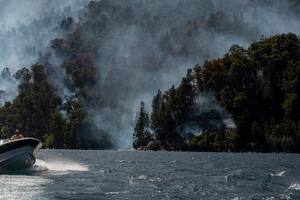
x: 3, y: 141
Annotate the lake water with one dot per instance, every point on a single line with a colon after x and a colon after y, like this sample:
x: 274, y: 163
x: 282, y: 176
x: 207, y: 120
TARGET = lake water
x: 155, y: 175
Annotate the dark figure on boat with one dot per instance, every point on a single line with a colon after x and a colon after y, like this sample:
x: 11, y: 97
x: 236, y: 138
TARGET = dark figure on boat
x: 17, y: 135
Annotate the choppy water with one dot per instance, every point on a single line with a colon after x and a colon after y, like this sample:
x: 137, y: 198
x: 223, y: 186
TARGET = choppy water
x: 156, y: 175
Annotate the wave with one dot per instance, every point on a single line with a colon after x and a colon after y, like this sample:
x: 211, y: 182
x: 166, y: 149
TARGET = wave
x: 278, y: 174
x: 116, y: 193
x: 295, y: 187
x: 135, y: 179
x: 141, y: 177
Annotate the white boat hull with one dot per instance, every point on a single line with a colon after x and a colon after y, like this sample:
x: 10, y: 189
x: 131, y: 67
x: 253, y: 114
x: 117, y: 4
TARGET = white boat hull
x: 18, y: 154
x: 20, y: 158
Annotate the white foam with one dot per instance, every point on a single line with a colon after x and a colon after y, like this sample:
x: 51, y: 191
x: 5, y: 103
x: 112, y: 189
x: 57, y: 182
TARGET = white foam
x: 141, y: 177
x: 237, y: 198
x: 60, y: 166
x: 132, y: 180
x: 278, y: 174
x: 226, y: 177
x: 116, y: 193
x: 155, y: 179
x: 295, y: 186
x: 120, y: 161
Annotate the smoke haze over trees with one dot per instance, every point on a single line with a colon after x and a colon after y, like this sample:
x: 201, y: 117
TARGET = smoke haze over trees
x: 99, y: 59
x: 259, y: 86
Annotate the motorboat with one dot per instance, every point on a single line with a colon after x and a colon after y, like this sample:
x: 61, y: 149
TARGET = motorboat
x: 18, y: 154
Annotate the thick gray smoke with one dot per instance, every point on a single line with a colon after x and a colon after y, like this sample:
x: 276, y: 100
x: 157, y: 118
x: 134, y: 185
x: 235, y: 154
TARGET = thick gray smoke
x: 145, y: 45
x: 8, y: 86
x: 206, y: 114
x: 27, y: 26
x: 164, y: 38
x: 26, y: 29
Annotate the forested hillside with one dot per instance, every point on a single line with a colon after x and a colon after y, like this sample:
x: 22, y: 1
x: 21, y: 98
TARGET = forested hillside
x: 258, y: 86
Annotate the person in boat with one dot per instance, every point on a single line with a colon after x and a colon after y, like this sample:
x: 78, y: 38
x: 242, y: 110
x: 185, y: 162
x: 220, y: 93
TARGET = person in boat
x: 17, y: 135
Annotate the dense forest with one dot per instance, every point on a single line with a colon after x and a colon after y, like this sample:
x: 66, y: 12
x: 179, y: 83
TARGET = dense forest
x: 259, y: 87
x: 39, y: 112
x: 88, y: 71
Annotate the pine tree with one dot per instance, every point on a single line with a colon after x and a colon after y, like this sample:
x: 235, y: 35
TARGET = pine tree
x: 184, y: 98
x: 156, y: 107
x: 141, y: 135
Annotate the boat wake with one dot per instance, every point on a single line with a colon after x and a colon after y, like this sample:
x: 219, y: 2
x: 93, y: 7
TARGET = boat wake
x: 60, y: 166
